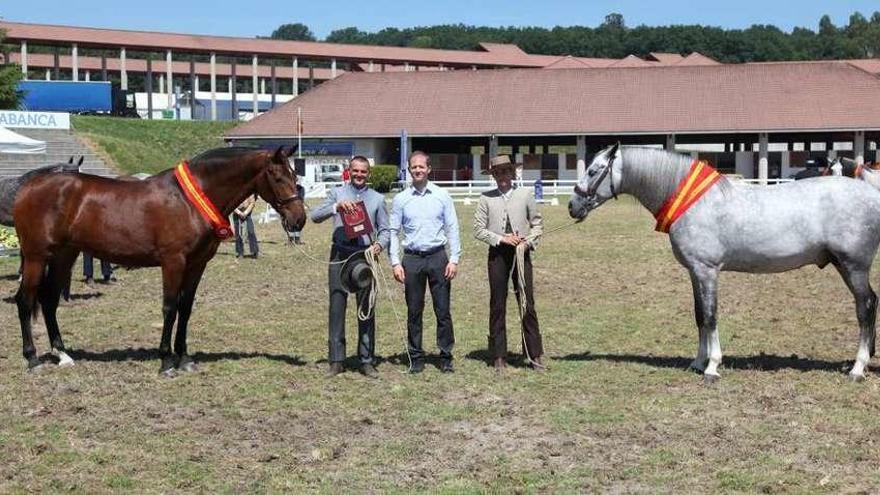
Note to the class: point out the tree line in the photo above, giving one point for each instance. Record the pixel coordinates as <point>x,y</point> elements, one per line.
<point>859,38</point>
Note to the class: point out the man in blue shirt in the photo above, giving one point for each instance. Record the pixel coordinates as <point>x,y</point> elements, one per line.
<point>426,216</point>
<point>343,200</point>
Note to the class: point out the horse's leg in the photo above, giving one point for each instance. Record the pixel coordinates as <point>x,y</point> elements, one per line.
<point>57,278</point>
<point>187,297</point>
<point>172,277</point>
<point>699,363</point>
<point>26,300</point>
<point>856,278</point>
<point>707,299</point>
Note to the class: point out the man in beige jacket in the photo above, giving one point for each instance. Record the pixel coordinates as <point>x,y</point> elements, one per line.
<point>505,218</point>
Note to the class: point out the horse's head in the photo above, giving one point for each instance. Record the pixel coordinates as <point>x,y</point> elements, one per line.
<point>277,186</point>
<point>599,184</point>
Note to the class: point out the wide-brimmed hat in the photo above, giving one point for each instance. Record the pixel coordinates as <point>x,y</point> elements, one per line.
<point>498,163</point>
<point>355,274</point>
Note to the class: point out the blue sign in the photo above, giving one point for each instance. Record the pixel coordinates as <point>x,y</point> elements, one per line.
<point>314,148</point>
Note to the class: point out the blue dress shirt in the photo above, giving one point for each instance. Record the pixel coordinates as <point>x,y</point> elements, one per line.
<point>427,219</point>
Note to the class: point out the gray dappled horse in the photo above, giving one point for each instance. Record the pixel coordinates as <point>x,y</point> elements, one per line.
<point>745,228</point>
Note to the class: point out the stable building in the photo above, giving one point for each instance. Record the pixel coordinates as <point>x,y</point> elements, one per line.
<point>758,120</point>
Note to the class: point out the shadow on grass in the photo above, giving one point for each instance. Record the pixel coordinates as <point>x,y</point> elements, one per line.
<point>142,354</point>
<point>73,297</point>
<point>400,359</point>
<point>11,276</point>
<point>761,362</point>
<point>513,360</point>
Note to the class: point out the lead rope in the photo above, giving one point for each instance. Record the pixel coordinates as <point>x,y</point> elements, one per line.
<point>521,287</point>
<point>375,266</point>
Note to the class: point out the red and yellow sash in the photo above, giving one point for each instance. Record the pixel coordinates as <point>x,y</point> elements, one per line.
<point>200,201</point>
<point>698,180</point>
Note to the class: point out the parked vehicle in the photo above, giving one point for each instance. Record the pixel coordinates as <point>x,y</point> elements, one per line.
<point>82,97</point>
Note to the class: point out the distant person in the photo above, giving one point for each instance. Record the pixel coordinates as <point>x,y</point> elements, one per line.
<point>89,270</point>
<point>346,175</point>
<point>294,234</point>
<point>504,219</point>
<point>426,216</point>
<point>342,200</point>
<point>243,214</point>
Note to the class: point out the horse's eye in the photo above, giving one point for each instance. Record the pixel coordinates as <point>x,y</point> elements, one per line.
<point>591,172</point>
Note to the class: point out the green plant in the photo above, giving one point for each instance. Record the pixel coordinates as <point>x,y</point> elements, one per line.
<point>383,177</point>
<point>8,237</point>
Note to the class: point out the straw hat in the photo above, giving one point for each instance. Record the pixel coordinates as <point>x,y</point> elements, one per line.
<point>499,162</point>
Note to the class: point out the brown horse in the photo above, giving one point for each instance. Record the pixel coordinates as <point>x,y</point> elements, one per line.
<point>138,223</point>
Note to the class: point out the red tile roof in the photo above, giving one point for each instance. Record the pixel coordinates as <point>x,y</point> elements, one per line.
<point>494,55</point>
<point>773,97</point>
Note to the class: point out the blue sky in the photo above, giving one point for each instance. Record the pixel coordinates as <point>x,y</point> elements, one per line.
<point>255,18</point>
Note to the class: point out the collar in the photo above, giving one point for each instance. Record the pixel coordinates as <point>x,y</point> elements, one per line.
<point>429,187</point>
<point>201,202</point>
<point>692,187</point>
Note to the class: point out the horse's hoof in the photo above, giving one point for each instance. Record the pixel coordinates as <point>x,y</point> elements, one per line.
<point>168,373</point>
<point>711,379</point>
<point>187,365</point>
<point>856,378</point>
<point>64,360</point>
<point>696,368</point>
<point>36,369</point>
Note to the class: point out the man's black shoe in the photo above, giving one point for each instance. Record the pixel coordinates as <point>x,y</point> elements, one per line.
<point>334,369</point>
<point>369,371</point>
<point>417,367</point>
<point>447,367</point>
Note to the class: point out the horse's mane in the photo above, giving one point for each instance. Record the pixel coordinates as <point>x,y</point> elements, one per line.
<point>224,153</point>
<point>653,174</point>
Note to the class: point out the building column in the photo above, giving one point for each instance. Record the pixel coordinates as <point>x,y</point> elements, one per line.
<point>493,146</point>
<point>194,87</point>
<point>88,75</point>
<point>859,147</point>
<point>370,66</point>
<point>123,75</point>
<point>161,83</point>
<point>48,75</point>
<point>763,160</point>
<point>24,60</point>
<point>104,68</point>
<point>254,83</point>
<point>581,151</point>
<point>149,81</point>
<point>233,90</point>
<point>295,76</point>
<point>74,62</point>
<point>274,83</point>
<point>169,76</point>
<point>213,86</point>
<point>332,68</point>
<point>670,142</point>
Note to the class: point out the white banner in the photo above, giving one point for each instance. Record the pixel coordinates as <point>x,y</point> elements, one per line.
<point>34,120</point>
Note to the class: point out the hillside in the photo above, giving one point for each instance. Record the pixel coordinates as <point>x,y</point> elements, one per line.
<point>134,145</point>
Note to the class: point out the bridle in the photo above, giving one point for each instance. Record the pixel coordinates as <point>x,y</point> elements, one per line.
<point>590,193</point>
<point>280,203</point>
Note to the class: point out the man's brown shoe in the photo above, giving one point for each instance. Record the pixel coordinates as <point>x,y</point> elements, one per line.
<point>538,365</point>
<point>500,365</point>
<point>334,369</point>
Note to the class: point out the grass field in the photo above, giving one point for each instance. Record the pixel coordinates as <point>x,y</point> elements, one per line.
<point>150,146</point>
<point>616,413</point>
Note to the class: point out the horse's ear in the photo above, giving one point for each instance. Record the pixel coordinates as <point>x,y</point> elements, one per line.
<point>292,150</point>
<point>80,162</point>
<point>70,160</point>
<point>280,156</point>
<point>613,151</point>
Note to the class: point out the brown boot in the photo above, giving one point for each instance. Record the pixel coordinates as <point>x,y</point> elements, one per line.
<point>500,365</point>
<point>538,364</point>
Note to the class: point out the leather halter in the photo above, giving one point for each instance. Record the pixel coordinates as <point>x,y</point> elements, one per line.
<point>279,203</point>
<point>590,193</point>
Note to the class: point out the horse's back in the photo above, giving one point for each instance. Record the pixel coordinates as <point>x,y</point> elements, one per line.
<point>785,226</point>
<point>113,219</point>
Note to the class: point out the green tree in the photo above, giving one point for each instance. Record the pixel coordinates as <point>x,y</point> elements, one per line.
<point>295,32</point>
<point>351,35</point>
<point>10,74</point>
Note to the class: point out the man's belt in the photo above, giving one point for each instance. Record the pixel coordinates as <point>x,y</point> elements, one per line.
<point>426,252</point>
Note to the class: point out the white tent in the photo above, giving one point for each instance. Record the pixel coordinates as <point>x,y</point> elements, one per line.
<point>11,142</point>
